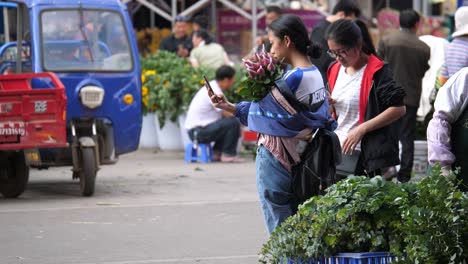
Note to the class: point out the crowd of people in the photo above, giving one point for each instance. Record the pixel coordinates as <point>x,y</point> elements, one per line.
<point>370,97</point>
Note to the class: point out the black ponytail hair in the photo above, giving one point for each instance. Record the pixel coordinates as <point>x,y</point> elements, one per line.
<point>292,26</point>
<point>205,35</point>
<point>367,44</point>
<point>348,33</point>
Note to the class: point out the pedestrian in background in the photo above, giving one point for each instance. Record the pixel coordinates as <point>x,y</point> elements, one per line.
<point>199,22</point>
<point>272,13</point>
<point>409,59</point>
<point>364,98</point>
<point>206,52</point>
<point>438,46</point>
<point>206,124</point>
<point>456,55</point>
<point>280,137</point>
<point>348,9</point>
<point>447,132</point>
<point>179,41</point>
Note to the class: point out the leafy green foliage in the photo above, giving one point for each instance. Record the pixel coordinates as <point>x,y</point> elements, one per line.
<point>233,95</point>
<point>424,220</point>
<point>170,83</point>
<point>436,221</point>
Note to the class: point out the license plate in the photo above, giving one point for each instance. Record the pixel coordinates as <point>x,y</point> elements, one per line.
<point>9,139</point>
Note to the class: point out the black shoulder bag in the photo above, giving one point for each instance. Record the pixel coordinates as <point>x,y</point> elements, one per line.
<point>317,168</point>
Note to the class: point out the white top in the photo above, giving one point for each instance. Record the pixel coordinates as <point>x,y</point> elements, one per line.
<point>438,46</point>
<point>451,101</point>
<point>346,93</point>
<point>210,55</point>
<point>201,112</point>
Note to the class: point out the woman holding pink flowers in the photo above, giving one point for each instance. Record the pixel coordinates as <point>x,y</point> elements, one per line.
<point>283,129</point>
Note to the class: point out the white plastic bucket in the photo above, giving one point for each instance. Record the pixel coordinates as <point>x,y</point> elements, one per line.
<point>148,136</point>
<point>183,132</point>
<point>169,137</point>
<point>420,162</point>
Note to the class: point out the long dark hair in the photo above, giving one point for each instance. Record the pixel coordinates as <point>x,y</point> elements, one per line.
<point>205,35</point>
<point>292,26</point>
<point>348,33</point>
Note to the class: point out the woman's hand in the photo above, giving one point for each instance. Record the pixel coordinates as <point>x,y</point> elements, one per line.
<point>331,104</point>
<point>354,137</point>
<point>220,101</point>
<point>331,101</point>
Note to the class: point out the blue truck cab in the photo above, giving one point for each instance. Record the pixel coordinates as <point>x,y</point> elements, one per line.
<point>91,46</point>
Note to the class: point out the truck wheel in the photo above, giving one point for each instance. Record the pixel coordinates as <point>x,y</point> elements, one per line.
<point>14,177</point>
<point>88,171</point>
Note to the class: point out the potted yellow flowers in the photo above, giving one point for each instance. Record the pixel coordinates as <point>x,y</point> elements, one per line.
<point>147,136</point>
<point>169,83</point>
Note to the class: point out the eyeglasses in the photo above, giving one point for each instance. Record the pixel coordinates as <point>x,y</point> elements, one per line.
<point>338,53</point>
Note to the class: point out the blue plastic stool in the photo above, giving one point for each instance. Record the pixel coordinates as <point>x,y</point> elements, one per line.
<point>192,153</point>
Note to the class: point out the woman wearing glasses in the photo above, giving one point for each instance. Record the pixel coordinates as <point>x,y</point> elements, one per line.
<point>365,99</point>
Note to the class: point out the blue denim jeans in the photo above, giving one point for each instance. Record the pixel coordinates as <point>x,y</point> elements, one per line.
<point>274,186</point>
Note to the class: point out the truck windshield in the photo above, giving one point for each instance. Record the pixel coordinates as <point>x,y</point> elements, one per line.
<point>84,40</point>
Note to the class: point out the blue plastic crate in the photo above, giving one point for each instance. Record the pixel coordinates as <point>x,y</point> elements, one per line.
<point>350,258</point>
<point>364,258</point>
<point>310,261</point>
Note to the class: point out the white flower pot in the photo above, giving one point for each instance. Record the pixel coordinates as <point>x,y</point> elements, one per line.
<point>420,162</point>
<point>148,136</point>
<point>183,131</point>
<point>169,137</point>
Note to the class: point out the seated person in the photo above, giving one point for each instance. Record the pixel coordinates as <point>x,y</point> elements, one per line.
<point>206,124</point>
<point>85,55</point>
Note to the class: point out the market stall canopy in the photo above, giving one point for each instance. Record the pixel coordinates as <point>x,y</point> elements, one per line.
<point>253,16</point>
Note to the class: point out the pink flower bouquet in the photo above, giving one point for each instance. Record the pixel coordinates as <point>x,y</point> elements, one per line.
<point>262,72</point>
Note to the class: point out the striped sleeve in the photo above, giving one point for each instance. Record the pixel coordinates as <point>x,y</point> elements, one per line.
<point>293,78</point>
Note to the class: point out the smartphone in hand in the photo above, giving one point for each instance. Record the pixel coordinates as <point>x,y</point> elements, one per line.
<point>210,90</point>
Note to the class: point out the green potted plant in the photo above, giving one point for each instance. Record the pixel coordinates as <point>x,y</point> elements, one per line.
<point>419,222</point>
<point>148,127</point>
<point>169,84</point>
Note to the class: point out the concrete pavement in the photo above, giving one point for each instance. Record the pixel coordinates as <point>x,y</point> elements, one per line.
<point>148,208</point>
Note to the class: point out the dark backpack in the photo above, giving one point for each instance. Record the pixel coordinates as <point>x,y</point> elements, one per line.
<point>317,169</point>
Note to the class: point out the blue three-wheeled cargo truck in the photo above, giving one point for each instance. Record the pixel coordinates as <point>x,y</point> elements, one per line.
<point>90,46</point>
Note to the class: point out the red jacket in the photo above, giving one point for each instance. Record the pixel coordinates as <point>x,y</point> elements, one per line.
<point>378,92</point>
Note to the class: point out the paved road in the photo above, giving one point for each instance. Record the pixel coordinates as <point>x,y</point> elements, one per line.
<point>148,208</point>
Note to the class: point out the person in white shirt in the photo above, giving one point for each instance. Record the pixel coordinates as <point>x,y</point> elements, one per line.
<point>207,124</point>
<point>447,132</point>
<point>438,46</point>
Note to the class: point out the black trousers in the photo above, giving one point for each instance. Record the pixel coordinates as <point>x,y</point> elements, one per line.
<point>407,136</point>
<point>224,132</point>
